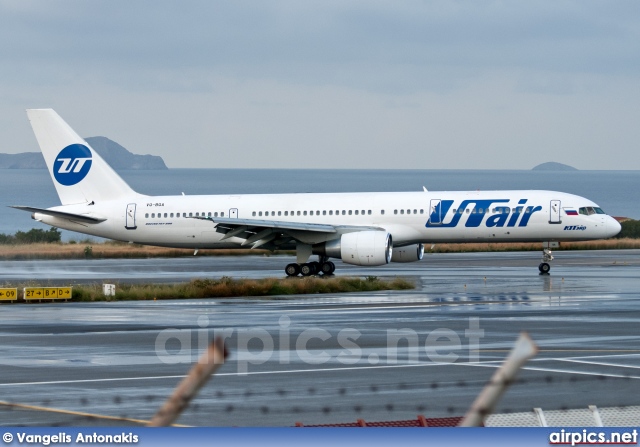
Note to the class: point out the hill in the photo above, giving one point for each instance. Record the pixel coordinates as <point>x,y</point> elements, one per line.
<point>553,166</point>
<point>116,155</point>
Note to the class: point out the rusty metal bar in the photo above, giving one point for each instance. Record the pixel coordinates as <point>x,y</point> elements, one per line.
<point>208,363</point>
<point>484,404</point>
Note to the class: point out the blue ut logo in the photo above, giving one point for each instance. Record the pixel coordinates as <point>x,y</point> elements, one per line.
<point>72,164</point>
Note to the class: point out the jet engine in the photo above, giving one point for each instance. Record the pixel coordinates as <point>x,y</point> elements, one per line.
<point>359,248</point>
<point>410,253</point>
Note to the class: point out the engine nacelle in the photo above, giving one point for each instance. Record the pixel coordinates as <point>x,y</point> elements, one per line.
<point>359,248</point>
<point>410,253</point>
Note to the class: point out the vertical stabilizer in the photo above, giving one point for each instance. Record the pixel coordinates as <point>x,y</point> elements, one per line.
<point>79,174</point>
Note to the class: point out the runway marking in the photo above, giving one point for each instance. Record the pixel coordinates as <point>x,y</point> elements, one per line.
<point>615,365</point>
<point>563,371</point>
<point>565,350</point>
<point>254,373</point>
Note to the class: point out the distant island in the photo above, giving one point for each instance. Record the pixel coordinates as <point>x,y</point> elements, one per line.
<point>553,166</point>
<point>117,156</point>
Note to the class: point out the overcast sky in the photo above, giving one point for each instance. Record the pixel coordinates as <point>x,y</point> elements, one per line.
<point>332,84</point>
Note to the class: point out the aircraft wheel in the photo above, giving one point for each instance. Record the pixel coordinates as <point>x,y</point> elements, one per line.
<point>307,269</point>
<point>292,270</point>
<point>544,268</point>
<point>328,268</point>
<point>317,267</point>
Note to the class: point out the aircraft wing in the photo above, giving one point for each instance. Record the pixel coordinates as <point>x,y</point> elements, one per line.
<point>61,214</point>
<point>272,233</point>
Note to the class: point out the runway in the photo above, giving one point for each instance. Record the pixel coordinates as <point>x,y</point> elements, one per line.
<point>329,358</point>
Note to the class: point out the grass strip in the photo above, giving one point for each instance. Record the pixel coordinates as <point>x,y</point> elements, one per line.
<point>226,287</point>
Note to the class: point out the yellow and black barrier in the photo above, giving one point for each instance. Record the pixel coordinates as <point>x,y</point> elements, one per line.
<point>7,294</point>
<point>46,293</point>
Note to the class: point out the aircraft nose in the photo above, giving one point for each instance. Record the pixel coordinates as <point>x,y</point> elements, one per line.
<point>613,226</point>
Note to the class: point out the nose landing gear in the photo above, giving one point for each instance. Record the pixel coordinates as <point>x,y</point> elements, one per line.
<point>547,257</point>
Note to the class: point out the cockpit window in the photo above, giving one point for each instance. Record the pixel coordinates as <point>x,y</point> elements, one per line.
<point>589,210</point>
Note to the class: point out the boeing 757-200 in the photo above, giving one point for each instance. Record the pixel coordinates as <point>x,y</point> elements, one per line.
<point>366,229</point>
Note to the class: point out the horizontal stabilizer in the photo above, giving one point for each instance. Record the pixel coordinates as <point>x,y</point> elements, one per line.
<point>61,214</point>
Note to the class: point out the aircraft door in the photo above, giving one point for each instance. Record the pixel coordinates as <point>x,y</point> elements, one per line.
<point>233,213</point>
<point>435,212</point>
<point>554,212</point>
<point>130,218</point>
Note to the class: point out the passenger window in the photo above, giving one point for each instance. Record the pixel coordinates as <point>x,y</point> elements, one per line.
<point>401,211</point>
<point>184,214</point>
<point>222,214</point>
<point>344,212</point>
<point>153,215</point>
<point>357,212</point>
<point>165,214</point>
<point>304,213</point>
<point>422,211</point>
<point>253,214</point>
<point>415,211</point>
<point>171,215</point>
<point>369,212</point>
<point>197,214</point>
<point>298,213</point>
<point>146,215</point>
<point>324,212</point>
<point>279,213</point>
<point>395,211</point>
<point>382,212</point>
<point>330,212</point>
<point>286,213</point>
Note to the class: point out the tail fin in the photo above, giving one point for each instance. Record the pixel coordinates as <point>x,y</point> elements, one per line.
<point>79,174</point>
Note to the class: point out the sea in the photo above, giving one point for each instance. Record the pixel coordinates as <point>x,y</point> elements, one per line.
<point>616,192</point>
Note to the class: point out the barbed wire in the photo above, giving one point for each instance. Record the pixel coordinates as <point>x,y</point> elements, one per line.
<point>343,391</point>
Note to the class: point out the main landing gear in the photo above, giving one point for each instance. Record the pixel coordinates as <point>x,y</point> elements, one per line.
<point>310,268</point>
<point>547,257</point>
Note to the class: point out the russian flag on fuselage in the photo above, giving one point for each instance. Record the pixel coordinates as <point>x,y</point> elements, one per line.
<point>570,212</point>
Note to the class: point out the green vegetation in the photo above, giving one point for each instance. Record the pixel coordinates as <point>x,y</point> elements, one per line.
<point>227,287</point>
<point>630,229</point>
<point>33,236</point>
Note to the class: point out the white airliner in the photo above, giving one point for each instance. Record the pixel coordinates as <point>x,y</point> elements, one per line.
<point>366,229</point>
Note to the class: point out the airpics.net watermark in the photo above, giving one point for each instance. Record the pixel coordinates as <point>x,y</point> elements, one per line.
<point>315,346</point>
